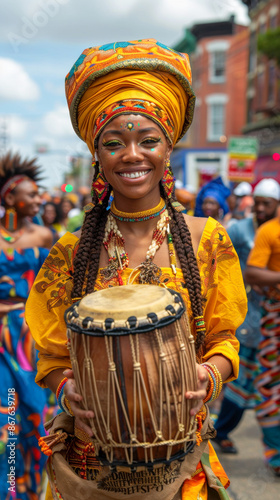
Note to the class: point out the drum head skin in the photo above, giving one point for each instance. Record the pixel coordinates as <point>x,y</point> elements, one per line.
<point>125,309</point>
<point>124,301</point>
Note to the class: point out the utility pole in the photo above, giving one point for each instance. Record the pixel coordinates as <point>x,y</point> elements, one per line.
<point>3,135</point>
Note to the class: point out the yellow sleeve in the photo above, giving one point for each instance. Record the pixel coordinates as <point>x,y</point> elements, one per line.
<point>48,300</point>
<point>223,294</point>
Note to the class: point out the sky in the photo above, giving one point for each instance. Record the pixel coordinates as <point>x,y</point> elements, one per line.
<point>41,39</point>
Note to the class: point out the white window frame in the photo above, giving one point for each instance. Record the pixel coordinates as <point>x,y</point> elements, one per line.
<point>217,46</point>
<point>212,100</point>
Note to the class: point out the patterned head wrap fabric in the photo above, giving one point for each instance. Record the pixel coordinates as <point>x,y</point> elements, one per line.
<point>138,77</point>
<point>213,189</point>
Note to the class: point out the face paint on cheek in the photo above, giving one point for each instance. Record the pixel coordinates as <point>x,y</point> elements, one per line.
<point>112,153</point>
<point>21,204</point>
<point>152,149</point>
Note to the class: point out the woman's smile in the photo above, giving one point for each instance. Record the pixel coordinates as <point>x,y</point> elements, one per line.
<point>134,174</point>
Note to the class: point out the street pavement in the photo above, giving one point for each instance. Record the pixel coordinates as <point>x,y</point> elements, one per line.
<point>249,477</point>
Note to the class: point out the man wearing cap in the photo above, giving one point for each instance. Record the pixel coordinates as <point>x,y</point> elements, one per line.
<point>241,394</point>
<point>263,270</point>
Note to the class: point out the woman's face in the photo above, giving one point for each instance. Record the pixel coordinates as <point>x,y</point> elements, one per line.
<point>49,214</point>
<point>133,151</point>
<point>210,207</point>
<point>26,199</point>
<point>66,206</point>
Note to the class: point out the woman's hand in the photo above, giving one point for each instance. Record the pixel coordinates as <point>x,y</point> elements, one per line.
<point>200,394</point>
<point>75,399</point>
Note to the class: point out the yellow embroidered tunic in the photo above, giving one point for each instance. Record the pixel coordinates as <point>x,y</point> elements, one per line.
<point>225,307</point>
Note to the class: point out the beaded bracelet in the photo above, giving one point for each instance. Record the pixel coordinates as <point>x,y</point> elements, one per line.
<point>65,405</point>
<point>215,382</point>
<point>60,392</point>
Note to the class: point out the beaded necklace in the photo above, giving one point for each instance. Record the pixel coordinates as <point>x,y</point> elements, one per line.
<point>138,216</point>
<point>8,237</point>
<point>118,258</point>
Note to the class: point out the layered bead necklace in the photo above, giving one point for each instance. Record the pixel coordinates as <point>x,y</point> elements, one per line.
<point>9,237</point>
<point>115,245</point>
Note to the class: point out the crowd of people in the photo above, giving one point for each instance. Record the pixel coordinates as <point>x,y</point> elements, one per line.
<point>135,221</point>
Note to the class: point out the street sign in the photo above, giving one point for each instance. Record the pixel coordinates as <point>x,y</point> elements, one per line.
<point>242,152</point>
<point>243,145</point>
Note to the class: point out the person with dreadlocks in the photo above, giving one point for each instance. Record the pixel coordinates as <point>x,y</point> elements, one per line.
<point>23,249</point>
<point>131,102</point>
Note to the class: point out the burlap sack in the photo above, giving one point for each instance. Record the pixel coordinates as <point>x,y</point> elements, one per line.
<point>162,483</point>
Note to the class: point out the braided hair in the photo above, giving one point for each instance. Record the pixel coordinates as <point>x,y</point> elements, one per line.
<point>86,262</point>
<point>12,164</point>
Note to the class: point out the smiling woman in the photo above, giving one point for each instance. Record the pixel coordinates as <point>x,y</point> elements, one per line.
<point>131,102</point>
<point>20,260</point>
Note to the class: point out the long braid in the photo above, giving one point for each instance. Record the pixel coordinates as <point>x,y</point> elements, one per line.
<point>184,248</point>
<point>88,253</point>
<point>96,249</point>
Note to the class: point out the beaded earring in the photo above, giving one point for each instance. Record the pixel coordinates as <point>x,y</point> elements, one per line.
<point>100,186</point>
<point>11,219</point>
<point>168,180</point>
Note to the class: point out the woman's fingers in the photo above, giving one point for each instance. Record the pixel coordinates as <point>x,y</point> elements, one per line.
<point>196,408</point>
<point>75,400</point>
<point>82,425</point>
<point>200,394</point>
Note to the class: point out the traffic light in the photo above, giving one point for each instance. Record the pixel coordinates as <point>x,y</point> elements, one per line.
<point>66,188</point>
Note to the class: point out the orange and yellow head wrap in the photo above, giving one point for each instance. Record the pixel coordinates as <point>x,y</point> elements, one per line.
<point>139,77</point>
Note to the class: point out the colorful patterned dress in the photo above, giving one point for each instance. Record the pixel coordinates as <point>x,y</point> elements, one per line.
<point>240,394</point>
<point>266,255</point>
<point>22,401</point>
<point>224,310</point>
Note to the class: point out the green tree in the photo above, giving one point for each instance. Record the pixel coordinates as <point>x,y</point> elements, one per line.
<point>269,44</point>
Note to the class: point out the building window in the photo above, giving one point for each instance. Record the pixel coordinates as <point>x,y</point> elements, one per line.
<point>250,110</point>
<point>252,52</point>
<point>217,67</point>
<point>273,22</point>
<point>271,82</point>
<point>260,88</point>
<point>216,121</point>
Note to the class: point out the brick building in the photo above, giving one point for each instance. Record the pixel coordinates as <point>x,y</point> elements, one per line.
<point>219,65</point>
<point>263,90</point>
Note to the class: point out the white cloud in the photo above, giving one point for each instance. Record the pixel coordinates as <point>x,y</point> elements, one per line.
<point>15,83</point>
<point>13,126</point>
<point>92,22</point>
<point>57,122</point>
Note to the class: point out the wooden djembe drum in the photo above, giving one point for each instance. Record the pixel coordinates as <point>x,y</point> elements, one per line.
<point>133,358</point>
